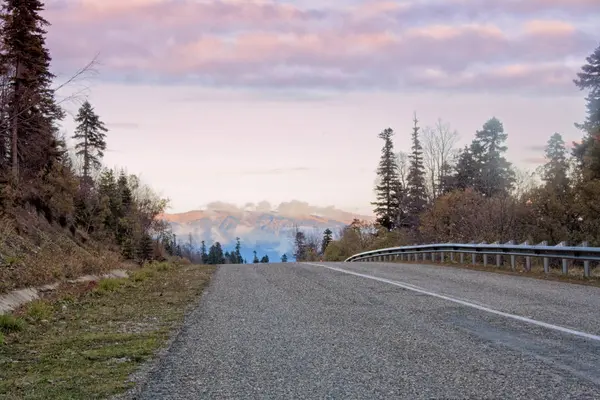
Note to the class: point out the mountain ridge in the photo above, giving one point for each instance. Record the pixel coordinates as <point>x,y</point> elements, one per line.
<point>268,231</point>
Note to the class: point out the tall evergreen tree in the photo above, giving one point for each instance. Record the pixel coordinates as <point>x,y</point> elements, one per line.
<point>265,259</point>
<point>284,258</point>
<point>416,191</point>
<point>387,206</point>
<point>255,260</point>
<point>203,252</point>
<point>32,109</point>
<point>90,135</point>
<point>588,152</point>
<point>495,174</point>
<point>467,169</point>
<point>327,238</point>
<point>215,254</point>
<point>300,247</point>
<point>237,254</point>
<point>555,171</point>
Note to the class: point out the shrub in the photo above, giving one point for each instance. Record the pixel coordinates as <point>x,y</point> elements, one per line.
<point>39,310</point>
<point>10,323</point>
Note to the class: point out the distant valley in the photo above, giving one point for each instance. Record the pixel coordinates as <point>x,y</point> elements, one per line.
<point>266,229</point>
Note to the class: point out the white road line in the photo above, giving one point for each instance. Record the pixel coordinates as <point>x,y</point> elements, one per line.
<point>465,303</point>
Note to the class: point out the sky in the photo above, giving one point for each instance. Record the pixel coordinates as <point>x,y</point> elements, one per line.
<point>248,100</point>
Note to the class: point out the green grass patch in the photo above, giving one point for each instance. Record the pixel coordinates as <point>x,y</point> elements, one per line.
<point>108,285</point>
<point>93,343</point>
<point>10,324</point>
<point>39,310</point>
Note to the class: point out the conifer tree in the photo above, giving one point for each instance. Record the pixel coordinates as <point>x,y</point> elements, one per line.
<point>327,238</point>
<point>495,175</point>
<point>32,110</point>
<point>467,169</point>
<point>284,258</point>
<point>237,254</point>
<point>90,135</point>
<point>265,259</point>
<point>203,252</point>
<point>255,260</point>
<point>555,171</point>
<point>588,152</point>
<point>215,254</point>
<point>387,206</point>
<point>416,191</point>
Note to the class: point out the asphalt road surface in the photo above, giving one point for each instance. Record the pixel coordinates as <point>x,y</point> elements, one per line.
<point>383,331</point>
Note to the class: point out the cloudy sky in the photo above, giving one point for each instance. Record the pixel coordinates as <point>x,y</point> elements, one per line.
<point>248,100</point>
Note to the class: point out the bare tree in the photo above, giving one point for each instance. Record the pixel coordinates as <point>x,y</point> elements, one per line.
<point>403,164</point>
<point>438,150</point>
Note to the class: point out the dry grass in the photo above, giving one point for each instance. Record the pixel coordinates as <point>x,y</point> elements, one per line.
<point>33,253</point>
<point>84,340</point>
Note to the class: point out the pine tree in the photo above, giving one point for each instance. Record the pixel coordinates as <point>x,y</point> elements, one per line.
<point>90,135</point>
<point>467,169</point>
<point>145,252</point>
<point>588,152</point>
<point>327,238</point>
<point>265,259</point>
<point>556,168</point>
<point>215,254</point>
<point>387,206</point>
<point>203,253</point>
<point>416,194</point>
<point>300,246</point>
<point>284,258</point>
<point>237,255</point>
<point>32,110</point>
<point>255,260</point>
<point>495,175</point>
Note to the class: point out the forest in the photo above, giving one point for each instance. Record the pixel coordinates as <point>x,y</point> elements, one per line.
<point>436,193</point>
<point>61,212</point>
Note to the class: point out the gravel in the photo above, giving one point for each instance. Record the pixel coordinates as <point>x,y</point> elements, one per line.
<point>274,331</point>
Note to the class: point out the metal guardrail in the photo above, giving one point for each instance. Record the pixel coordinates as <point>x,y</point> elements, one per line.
<point>561,251</point>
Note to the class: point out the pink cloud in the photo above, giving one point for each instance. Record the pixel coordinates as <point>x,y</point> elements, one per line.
<point>266,43</point>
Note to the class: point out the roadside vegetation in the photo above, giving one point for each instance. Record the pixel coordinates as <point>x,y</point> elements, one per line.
<point>438,193</point>
<point>84,340</point>
<point>62,214</point>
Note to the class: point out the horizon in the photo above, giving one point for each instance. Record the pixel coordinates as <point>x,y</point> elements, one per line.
<point>264,100</point>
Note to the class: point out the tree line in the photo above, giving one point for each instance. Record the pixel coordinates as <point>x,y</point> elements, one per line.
<point>438,193</point>
<point>39,172</point>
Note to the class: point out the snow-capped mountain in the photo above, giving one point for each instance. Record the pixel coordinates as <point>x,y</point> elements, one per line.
<point>259,227</point>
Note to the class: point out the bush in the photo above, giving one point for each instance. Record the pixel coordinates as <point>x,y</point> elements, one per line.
<point>10,323</point>
<point>108,285</point>
<point>38,310</point>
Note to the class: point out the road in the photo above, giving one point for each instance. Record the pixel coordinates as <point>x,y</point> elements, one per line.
<point>279,331</point>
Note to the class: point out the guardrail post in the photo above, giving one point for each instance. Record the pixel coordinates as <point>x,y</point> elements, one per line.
<point>424,256</point>
<point>484,255</point>
<point>498,257</point>
<point>473,255</point>
<point>546,259</point>
<point>442,258</point>
<point>452,257</point>
<point>586,263</point>
<point>527,258</point>
<point>565,261</point>
<point>512,257</point>
<point>462,258</point>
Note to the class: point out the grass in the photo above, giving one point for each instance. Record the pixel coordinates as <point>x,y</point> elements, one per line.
<point>10,324</point>
<point>84,340</point>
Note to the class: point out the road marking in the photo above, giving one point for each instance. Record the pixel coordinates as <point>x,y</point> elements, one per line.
<point>465,303</point>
